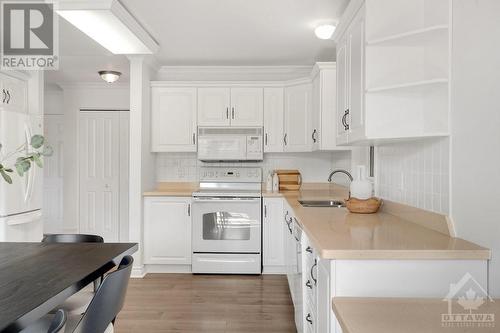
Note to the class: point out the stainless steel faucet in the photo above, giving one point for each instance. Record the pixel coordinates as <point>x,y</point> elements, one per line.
<point>340,171</point>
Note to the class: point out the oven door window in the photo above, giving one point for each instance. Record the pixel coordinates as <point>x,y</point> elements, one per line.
<point>227,226</point>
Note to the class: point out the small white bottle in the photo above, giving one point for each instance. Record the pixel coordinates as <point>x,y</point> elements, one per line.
<point>276,183</point>
<point>269,182</point>
<point>361,188</point>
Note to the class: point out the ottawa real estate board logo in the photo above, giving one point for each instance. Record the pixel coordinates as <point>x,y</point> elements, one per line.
<point>29,36</point>
<point>468,305</point>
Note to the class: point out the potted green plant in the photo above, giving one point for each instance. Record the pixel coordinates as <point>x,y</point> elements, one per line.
<point>24,157</point>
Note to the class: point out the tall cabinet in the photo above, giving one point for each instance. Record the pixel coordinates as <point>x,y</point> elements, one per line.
<point>393,70</point>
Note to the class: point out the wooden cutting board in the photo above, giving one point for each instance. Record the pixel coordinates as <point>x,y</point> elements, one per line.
<point>290,180</point>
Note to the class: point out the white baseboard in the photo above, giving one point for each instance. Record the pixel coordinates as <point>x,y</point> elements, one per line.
<point>168,269</point>
<point>138,272</point>
<point>273,270</point>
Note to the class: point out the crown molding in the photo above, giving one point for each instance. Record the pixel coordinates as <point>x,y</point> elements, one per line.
<point>92,85</point>
<point>232,73</point>
<point>347,17</point>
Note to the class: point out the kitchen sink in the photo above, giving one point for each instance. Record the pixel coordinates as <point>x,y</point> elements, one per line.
<point>322,203</point>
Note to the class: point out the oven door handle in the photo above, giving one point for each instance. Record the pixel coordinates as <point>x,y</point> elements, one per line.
<point>218,199</point>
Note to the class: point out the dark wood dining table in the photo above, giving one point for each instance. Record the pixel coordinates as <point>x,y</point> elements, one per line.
<point>36,277</point>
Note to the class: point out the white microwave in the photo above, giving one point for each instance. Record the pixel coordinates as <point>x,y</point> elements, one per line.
<point>230,144</point>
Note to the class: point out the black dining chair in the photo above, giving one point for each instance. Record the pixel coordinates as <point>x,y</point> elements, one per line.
<point>77,303</point>
<point>102,311</point>
<point>59,322</point>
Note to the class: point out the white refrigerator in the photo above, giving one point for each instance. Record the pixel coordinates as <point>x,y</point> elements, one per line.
<point>21,201</point>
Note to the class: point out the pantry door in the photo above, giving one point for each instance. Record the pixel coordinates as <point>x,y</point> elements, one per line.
<point>99,172</point>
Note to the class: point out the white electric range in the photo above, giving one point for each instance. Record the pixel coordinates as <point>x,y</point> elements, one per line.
<point>227,221</point>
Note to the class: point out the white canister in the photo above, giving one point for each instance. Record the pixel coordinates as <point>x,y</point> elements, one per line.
<point>361,188</point>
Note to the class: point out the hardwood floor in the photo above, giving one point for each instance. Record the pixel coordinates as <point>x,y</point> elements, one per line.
<point>207,303</point>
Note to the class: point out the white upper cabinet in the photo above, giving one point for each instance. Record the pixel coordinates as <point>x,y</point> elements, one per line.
<point>342,98</point>
<point>173,119</point>
<point>324,108</point>
<point>247,107</point>
<point>273,120</point>
<point>13,94</point>
<point>298,104</point>
<point>393,70</point>
<point>214,106</point>
<point>167,230</point>
<point>230,107</point>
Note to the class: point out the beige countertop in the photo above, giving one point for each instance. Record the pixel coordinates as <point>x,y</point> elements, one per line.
<point>337,234</point>
<point>410,315</point>
<point>171,189</point>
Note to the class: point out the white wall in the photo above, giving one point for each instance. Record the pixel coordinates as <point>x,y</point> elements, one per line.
<point>475,123</point>
<point>78,97</point>
<point>415,173</point>
<point>314,167</point>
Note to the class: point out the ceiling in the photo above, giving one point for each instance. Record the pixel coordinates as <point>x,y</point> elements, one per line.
<point>238,32</point>
<point>209,32</point>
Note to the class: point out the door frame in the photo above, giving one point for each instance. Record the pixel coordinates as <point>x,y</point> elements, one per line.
<point>124,129</point>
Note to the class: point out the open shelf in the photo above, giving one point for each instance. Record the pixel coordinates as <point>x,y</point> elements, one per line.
<point>408,85</point>
<point>414,34</point>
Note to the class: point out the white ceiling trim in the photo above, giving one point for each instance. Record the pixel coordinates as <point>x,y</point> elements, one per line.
<point>232,73</point>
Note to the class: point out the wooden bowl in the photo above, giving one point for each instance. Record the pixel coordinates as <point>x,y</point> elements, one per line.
<point>368,206</point>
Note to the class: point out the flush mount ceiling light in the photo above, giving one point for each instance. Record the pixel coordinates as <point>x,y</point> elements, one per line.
<point>324,31</point>
<point>109,24</point>
<point>109,76</point>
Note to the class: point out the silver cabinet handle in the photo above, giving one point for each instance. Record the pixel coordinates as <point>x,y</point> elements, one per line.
<point>265,210</point>
<point>232,112</point>
<point>194,138</point>
<point>189,210</point>
<point>227,112</point>
<point>265,139</point>
<point>313,135</point>
<point>284,139</point>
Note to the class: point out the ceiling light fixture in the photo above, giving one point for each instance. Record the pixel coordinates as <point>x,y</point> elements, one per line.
<point>109,24</point>
<point>109,76</point>
<point>324,31</point>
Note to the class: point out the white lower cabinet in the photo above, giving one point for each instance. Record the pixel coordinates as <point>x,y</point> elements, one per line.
<point>273,255</point>
<point>167,230</point>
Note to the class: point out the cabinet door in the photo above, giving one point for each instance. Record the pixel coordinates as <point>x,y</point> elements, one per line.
<point>213,106</point>
<point>167,230</point>
<point>342,70</point>
<point>173,119</point>
<point>316,112</point>
<point>297,136</point>
<point>273,253</point>
<point>247,107</point>
<point>356,72</point>
<point>273,120</point>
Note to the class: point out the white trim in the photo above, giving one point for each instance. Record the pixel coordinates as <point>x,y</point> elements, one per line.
<point>232,73</point>
<point>93,85</point>
<point>168,269</point>
<point>274,269</point>
<point>346,18</point>
<point>138,272</point>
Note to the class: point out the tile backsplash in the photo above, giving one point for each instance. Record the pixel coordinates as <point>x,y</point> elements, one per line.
<point>314,167</point>
<point>415,173</point>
